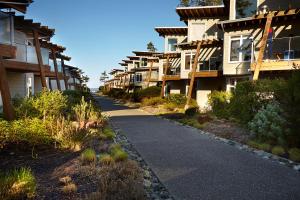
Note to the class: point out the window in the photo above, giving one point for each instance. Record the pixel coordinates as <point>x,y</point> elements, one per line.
<point>189,60</point>
<point>138,77</point>
<point>136,65</point>
<point>240,49</point>
<point>171,44</point>
<point>144,62</point>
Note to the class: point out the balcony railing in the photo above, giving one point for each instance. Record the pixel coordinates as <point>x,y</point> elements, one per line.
<point>196,3</point>
<point>213,64</point>
<point>280,49</point>
<point>27,54</point>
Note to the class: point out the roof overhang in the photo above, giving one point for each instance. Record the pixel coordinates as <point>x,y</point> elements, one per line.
<point>123,64</point>
<point>51,46</point>
<point>258,20</point>
<point>145,53</point>
<point>170,55</point>
<point>127,61</point>
<point>186,13</point>
<point>178,31</point>
<point>133,57</point>
<point>19,5</point>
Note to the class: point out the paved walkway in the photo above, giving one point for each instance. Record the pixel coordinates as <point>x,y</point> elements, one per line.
<point>194,166</point>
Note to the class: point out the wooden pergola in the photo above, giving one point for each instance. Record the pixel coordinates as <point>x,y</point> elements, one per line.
<point>19,5</point>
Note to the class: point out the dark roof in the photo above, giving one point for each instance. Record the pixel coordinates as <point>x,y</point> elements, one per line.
<point>145,53</point>
<point>123,64</point>
<point>49,45</point>
<point>19,5</point>
<point>186,13</point>
<point>163,31</point>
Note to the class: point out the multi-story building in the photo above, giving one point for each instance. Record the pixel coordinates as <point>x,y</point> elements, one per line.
<point>28,60</point>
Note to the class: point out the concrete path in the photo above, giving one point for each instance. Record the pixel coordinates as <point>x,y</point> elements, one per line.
<point>194,166</point>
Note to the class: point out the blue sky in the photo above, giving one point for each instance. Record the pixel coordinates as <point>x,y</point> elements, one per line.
<point>98,34</point>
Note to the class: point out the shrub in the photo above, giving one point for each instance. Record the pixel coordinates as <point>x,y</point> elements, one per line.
<point>17,184</point>
<point>116,93</point>
<point>88,156</point>
<point>294,154</point>
<point>278,150</point>
<point>268,124</point>
<point>219,102</point>
<point>191,111</point>
<point>154,101</point>
<point>177,99</point>
<point>69,188</point>
<point>106,159</point>
<point>149,92</point>
<point>120,181</point>
<point>254,144</point>
<point>117,153</point>
<point>264,147</point>
<point>4,133</point>
<point>249,97</point>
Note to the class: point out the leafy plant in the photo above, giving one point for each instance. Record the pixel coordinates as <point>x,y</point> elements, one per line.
<point>108,133</point>
<point>17,184</point>
<point>177,99</point>
<point>278,150</point>
<point>118,153</point>
<point>219,102</point>
<point>154,101</point>
<point>294,154</point>
<point>106,159</point>
<point>268,124</point>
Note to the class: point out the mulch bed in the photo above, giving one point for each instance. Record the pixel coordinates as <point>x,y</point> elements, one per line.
<point>51,165</point>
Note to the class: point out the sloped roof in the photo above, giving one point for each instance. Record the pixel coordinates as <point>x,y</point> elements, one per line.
<point>163,31</point>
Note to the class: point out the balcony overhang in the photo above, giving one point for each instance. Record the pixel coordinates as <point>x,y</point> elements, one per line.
<point>8,51</point>
<point>145,53</point>
<point>278,65</point>
<point>207,74</point>
<point>172,77</point>
<point>18,66</point>
<point>204,43</point>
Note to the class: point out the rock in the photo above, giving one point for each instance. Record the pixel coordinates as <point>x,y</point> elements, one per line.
<point>147,174</point>
<point>297,167</point>
<point>147,183</point>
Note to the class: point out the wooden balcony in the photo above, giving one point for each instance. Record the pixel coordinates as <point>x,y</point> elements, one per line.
<point>18,66</point>
<point>8,51</point>
<point>172,77</point>
<point>273,65</point>
<point>207,74</point>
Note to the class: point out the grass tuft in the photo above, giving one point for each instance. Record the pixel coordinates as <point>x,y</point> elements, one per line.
<point>88,156</point>
<point>278,150</point>
<point>17,184</point>
<point>69,188</point>
<point>294,154</point>
<point>106,159</point>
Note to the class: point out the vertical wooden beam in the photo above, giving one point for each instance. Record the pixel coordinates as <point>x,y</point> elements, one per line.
<point>262,48</point>
<point>192,81</point>
<point>165,69</point>
<point>50,84</point>
<point>64,72</point>
<point>150,73</point>
<point>56,69</point>
<point>39,58</point>
<point>5,93</point>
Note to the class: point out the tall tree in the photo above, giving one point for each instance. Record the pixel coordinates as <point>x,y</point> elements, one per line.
<point>103,76</point>
<point>151,47</point>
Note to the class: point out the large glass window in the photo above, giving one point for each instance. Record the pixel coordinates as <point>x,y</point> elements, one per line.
<point>5,29</point>
<point>171,44</point>
<point>144,62</point>
<point>136,64</point>
<point>138,77</point>
<point>240,49</point>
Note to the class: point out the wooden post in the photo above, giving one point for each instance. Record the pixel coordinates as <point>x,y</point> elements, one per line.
<point>190,91</point>
<point>150,73</point>
<point>64,72</point>
<point>262,48</point>
<point>165,69</point>
<point>39,58</point>
<point>5,93</point>
<point>50,84</point>
<point>56,69</point>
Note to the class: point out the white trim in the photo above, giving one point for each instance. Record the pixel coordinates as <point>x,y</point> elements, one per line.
<point>241,38</point>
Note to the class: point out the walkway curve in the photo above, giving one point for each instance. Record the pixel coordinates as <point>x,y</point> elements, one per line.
<point>194,166</point>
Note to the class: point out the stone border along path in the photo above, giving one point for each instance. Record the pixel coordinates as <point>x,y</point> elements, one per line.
<point>196,166</point>
<point>155,190</point>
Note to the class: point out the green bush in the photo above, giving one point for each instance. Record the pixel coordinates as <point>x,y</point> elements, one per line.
<point>116,93</point>
<point>17,184</point>
<point>249,97</point>
<point>118,153</point>
<point>88,156</point>
<point>177,99</point>
<point>149,92</point>
<point>170,106</point>
<point>219,102</point>
<point>278,150</point>
<point>264,147</point>
<point>254,144</point>
<point>108,133</point>
<point>154,101</point>
<point>268,124</point>
<point>294,154</point>
<point>191,111</point>
<point>106,159</point>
